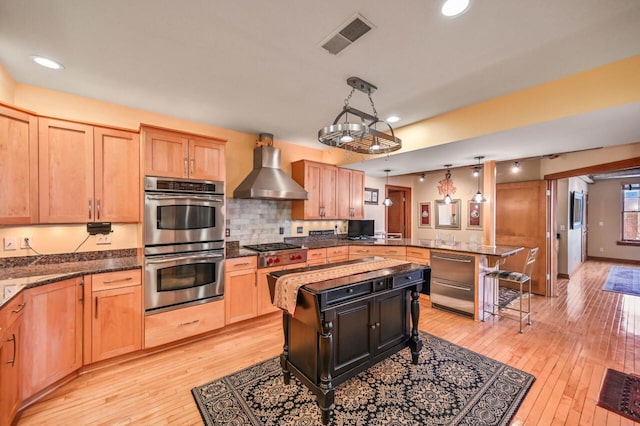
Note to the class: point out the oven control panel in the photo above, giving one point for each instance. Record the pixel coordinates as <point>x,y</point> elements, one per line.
<point>266,260</point>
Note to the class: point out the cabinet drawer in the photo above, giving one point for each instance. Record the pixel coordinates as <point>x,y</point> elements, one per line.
<point>12,311</point>
<point>316,254</point>
<point>409,277</point>
<point>118,279</point>
<point>394,252</point>
<point>178,324</point>
<point>418,253</point>
<point>239,263</point>
<point>361,251</point>
<point>379,285</point>
<point>338,251</point>
<point>336,259</point>
<point>343,294</point>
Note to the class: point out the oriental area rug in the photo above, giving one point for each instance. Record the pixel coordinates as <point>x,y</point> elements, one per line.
<point>450,386</point>
<point>623,279</point>
<point>620,393</point>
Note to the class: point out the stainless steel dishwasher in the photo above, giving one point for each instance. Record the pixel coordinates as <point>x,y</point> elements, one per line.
<point>452,282</point>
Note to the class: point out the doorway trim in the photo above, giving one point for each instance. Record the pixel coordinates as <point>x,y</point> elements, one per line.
<point>408,205</point>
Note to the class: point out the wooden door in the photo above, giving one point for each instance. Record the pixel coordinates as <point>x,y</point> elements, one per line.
<point>206,159</point>
<point>66,172</point>
<point>166,153</point>
<point>52,337</point>
<point>521,220</point>
<point>307,174</point>
<point>117,175</point>
<point>398,216</point>
<point>585,229</point>
<point>18,167</point>
<point>343,194</point>
<point>116,326</point>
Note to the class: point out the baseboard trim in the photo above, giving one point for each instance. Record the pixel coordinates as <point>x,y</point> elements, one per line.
<point>609,259</point>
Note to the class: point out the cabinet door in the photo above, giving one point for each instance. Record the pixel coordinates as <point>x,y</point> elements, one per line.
<point>52,337</point>
<point>116,322</point>
<point>350,194</point>
<point>240,295</point>
<point>166,153</point>
<point>65,172</point>
<point>11,355</point>
<point>18,167</point>
<point>352,335</point>
<point>328,189</point>
<point>264,296</point>
<point>206,159</point>
<point>117,175</point>
<point>309,176</point>
<point>391,324</point>
<point>357,194</point>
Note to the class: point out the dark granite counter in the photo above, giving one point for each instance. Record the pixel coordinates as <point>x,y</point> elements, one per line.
<point>14,279</point>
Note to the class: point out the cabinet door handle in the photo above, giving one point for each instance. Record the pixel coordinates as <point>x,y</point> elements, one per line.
<point>193,165</point>
<point>96,306</point>
<point>186,167</point>
<point>90,207</point>
<point>98,208</point>
<point>117,280</point>
<point>12,361</point>
<point>374,325</point>
<point>189,323</point>
<point>20,307</point>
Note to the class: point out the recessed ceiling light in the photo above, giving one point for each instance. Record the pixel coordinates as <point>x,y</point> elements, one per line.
<point>452,8</point>
<point>47,63</point>
<point>393,119</point>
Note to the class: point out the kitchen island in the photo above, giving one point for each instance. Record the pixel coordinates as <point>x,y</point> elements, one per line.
<point>344,325</point>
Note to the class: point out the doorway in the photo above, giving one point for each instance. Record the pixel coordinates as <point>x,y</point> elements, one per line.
<point>398,215</point>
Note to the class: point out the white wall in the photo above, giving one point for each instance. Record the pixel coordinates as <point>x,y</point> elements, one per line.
<point>604,216</point>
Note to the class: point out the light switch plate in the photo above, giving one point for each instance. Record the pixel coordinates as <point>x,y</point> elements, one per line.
<point>10,243</point>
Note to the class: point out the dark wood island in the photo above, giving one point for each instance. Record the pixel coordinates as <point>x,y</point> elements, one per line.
<point>344,325</point>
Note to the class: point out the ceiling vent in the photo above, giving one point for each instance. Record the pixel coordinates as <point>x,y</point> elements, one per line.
<point>349,32</point>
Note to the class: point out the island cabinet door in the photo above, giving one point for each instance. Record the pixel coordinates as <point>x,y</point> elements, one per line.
<point>352,335</point>
<point>391,325</point>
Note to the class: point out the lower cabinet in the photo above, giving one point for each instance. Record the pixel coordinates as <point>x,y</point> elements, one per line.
<point>240,290</point>
<point>113,318</point>
<point>316,256</point>
<point>171,326</point>
<point>52,334</point>
<point>264,296</point>
<point>337,254</point>
<point>11,356</point>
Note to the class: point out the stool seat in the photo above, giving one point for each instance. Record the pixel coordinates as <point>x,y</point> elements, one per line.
<point>520,278</point>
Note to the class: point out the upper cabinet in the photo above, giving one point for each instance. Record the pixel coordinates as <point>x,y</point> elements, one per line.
<point>18,167</point>
<point>181,155</point>
<point>334,192</point>
<point>87,174</point>
<point>320,181</point>
<point>350,194</point>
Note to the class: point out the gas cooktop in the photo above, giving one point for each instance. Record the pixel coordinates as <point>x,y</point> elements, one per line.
<point>272,247</point>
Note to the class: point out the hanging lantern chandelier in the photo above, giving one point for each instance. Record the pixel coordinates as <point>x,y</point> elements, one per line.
<point>360,135</point>
<point>447,198</point>
<point>478,198</point>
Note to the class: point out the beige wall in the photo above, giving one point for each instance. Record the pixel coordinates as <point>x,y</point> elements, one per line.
<point>7,86</point>
<point>604,220</point>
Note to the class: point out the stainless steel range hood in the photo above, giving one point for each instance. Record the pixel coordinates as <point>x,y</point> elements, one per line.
<point>266,181</point>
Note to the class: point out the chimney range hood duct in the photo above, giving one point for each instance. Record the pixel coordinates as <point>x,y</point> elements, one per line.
<point>266,181</point>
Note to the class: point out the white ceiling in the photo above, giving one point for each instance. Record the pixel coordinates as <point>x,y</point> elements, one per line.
<point>257,66</point>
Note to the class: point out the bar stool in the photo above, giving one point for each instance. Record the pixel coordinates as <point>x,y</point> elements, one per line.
<point>522,279</point>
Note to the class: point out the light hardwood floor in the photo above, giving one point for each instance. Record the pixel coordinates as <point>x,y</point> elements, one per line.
<point>574,338</point>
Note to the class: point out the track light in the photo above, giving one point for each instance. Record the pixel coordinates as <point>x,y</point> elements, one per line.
<point>478,197</point>
<point>421,178</point>
<point>387,201</point>
<point>515,168</point>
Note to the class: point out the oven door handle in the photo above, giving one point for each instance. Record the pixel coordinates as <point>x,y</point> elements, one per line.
<point>165,259</point>
<point>185,197</point>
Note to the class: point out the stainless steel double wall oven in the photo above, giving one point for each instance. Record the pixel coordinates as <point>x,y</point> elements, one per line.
<point>184,224</point>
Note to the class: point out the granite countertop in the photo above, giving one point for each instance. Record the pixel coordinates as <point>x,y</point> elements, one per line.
<point>14,279</point>
<point>465,247</point>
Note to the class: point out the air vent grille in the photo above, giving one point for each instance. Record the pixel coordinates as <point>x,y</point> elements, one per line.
<point>351,31</point>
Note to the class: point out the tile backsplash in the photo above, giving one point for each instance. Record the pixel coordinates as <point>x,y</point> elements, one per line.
<point>259,221</point>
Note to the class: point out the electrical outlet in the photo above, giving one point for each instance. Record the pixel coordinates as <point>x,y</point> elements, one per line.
<point>227,232</point>
<point>103,239</point>
<point>281,230</point>
<point>601,249</point>
<point>10,243</point>
<point>25,242</point>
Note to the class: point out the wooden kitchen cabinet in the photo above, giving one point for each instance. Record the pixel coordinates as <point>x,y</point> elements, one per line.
<point>18,167</point>
<point>337,254</point>
<point>181,155</point>
<point>113,317</point>
<point>316,256</point>
<point>418,255</point>
<point>52,336</point>
<point>391,252</point>
<point>264,297</point>
<point>87,173</point>
<point>11,358</point>
<point>240,289</point>
<point>320,181</point>
<point>350,194</point>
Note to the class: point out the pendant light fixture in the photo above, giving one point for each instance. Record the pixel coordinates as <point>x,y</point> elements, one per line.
<point>478,198</point>
<point>387,201</point>
<point>361,136</point>
<point>447,198</point>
